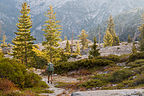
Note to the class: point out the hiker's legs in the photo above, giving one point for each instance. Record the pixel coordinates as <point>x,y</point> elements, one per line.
<point>48,76</point>
<point>51,77</point>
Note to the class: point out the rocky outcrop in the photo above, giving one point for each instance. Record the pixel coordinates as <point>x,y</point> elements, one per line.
<point>124,92</point>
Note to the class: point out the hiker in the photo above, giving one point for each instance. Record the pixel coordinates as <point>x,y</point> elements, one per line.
<point>50,70</point>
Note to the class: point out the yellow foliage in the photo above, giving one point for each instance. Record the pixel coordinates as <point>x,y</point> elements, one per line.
<point>38,52</point>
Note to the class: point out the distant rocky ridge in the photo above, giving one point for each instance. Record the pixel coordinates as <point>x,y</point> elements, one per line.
<point>74,15</point>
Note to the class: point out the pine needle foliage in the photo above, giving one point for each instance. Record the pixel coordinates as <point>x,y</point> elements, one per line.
<point>129,39</point>
<point>108,39</point>
<point>52,35</point>
<point>94,52</point>
<point>83,38</point>
<point>78,48</point>
<point>141,29</point>
<point>23,42</point>
<point>68,49</point>
<point>111,28</point>
<point>4,43</point>
<point>134,50</point>
<point>65,38</point>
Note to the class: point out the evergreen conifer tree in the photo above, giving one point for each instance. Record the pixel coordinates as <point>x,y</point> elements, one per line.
<point>4,44</point>
<point>111,28</point>
<point>23,42</point>
<point>83,38</point>
<point>134,50</point>
<point>65,37</point>
<point>94,52</point>
<point>52,35</point>
<point>141,29</point>
<point>108,39</point>
<point>68,49</point>
<point>129,39</point>
<point>78,48</point>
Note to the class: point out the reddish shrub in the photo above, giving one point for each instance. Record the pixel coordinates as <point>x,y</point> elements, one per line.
<point>6,85</point>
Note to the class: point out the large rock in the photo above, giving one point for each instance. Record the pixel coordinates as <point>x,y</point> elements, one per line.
<point>124,92</point>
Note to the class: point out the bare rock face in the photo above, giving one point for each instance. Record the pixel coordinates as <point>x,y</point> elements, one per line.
<point>123,92</point>
<point>6,50</point>
<point>123,48</point>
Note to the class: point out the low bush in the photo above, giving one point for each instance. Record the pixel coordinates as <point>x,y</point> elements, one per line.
<point>13,71</point>
<point>136,56</point>
<point>6,85</point>
<point>111,57</point>
<point>139,70</point>
<point>92,83</point>
<point>102,77</point>
<point>125,84</point>
<point>124,58</point>
<point>17,73</point>
<point>31,79</point>
<point>139,80</point>
<point>120,75</point>
<point>64,67</point>
<point>45,91</point>
<point>136,63</point>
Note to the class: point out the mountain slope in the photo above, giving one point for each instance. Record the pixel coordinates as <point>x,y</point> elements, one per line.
<point>74,15</point>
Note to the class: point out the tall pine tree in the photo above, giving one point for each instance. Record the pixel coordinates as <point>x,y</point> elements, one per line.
<point>23,42</point>
<point>94,52</point>
<point>129,39</point>
<point>4,44</point>
<point>68,49</point>
<point>111,29</point>
<point>65,38</point>
<point>52,36</point>
<point>134,50</point>
<point>141,29</point>
<point>83,38</point>
<point>78,48</point>
<point>108,39</point>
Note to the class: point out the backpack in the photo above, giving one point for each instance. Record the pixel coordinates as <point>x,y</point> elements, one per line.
<point>50,67</point>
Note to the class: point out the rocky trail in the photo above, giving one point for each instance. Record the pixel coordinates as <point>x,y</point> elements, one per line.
<point>56,78</point>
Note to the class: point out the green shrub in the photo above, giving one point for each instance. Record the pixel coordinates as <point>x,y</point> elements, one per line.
<point>140,61</point>
<point>42,84</point>
<point>136,56</point>
<point>102,77</point>
<point>92,83</point>
<point>120,75</point>
<point>31,79</point>
<point>136,63</point>
<point>139,70</point>
<point>125,84</point>
<point>13,71</point>
<point>111,57</point>
<point>64,67</point>
<point>17,73</point>
<point>38,62</point>
<point>139,80</point>
<point>124,58</point>
<point>45,91</point>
